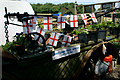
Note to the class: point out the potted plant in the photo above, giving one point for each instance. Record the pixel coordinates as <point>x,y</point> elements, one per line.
<point>102,30</point>
<point>82,34</point>
<point>93,32</point>
<point>113,28</point>
<point>116,29</point>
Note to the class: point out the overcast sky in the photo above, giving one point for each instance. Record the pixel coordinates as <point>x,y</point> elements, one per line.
<point>63,1</point>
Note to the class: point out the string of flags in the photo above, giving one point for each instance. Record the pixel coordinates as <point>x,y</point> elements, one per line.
<point>29,26</point>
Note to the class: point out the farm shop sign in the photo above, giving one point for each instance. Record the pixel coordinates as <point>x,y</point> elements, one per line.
<point>65,52</point>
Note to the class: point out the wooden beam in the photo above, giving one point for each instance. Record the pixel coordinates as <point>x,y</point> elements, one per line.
<point>102,3</point>
<point>83,9</point>
<point>113,5</point>
<point>75,6</point>
<point>101,8</point>
<point>93,8</point>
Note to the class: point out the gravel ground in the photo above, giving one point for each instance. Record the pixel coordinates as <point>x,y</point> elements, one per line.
<point>114,75</point>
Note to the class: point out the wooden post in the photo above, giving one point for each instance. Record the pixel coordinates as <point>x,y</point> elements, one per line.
<point>113,5</point>
<point>75,6</point>
<point>93,8</point>
<point>101,8</point>
<point>83,9</point>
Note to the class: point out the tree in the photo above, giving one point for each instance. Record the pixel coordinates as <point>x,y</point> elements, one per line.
<point>52,8</point>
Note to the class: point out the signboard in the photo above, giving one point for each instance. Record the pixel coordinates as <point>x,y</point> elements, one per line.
<point>65,52</point>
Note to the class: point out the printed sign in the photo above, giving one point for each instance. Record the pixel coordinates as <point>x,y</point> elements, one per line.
<point>65,52</point>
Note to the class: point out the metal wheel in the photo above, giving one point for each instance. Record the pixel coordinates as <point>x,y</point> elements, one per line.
<point>32,45</point>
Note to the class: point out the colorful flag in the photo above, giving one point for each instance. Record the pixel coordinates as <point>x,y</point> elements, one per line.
<point>84,17</point>
<point>93,17</point>
<point>73,21</point>
<point>67,40</point>
<point>27,27</point>
<point>54,39</point>
<point>61,22</point>
<point>48,23</point>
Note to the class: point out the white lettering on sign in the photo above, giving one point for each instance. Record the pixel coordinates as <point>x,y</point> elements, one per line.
<point>65,52</point>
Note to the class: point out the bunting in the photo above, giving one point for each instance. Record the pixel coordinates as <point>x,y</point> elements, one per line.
<point>41,31</point>
<point>84,17</point>
<point>73,21</point>
<point>93,17</point>
<point>27,27</point>
<point>34,22</point>
<point>48,23</point>
<point>54,39</point>
<point>67,40</point>
<point>61,22</point>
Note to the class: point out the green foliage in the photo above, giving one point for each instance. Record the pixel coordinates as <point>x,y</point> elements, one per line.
<point>11,46</point>
<point>80,31</point>
<point>57,30</point>
<point>113,24</point>
<point>52,8</point>
<point>93,27</point>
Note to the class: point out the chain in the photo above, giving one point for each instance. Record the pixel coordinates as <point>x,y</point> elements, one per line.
<point>6,31</point>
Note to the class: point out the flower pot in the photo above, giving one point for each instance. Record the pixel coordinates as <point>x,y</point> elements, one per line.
<point>102,34</point>
<point>83,38</point>
<point>93,36</point>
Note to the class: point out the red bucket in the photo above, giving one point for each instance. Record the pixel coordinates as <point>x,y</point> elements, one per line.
<point>109,59</point>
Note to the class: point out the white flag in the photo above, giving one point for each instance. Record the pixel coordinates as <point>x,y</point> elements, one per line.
<point>93,17</point>
<point>84,17</point>
<point>67,40</point>
<point>73,21</point>
<point>48,23</point>
<point>61,22</point>
<point>54,39</point>
<point>27,27</point>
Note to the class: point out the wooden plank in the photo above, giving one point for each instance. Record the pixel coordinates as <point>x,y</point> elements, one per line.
<point>102,3</point>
